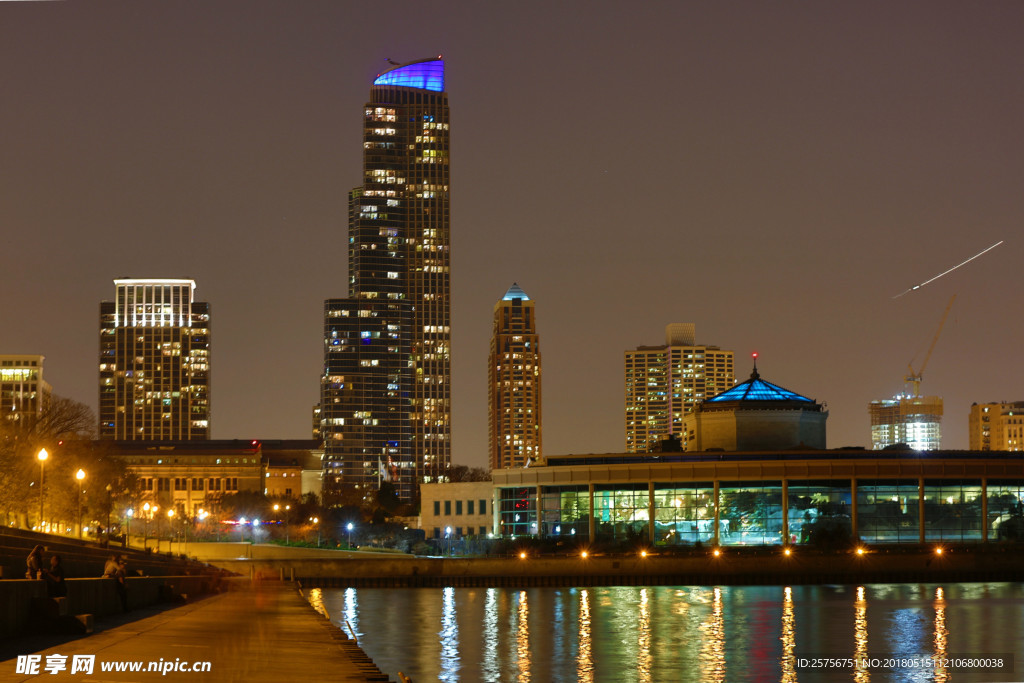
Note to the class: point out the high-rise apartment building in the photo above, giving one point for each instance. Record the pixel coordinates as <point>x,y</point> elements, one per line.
<point>912,420</point>
<point>514,382</point>
<point>997,426</point>
<point>664,383</point>
<point>386,389</point>
<point>23,392</point>
<point>154,362</point>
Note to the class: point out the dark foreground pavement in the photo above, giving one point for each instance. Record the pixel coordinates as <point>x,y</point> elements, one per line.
<point>263,632</point>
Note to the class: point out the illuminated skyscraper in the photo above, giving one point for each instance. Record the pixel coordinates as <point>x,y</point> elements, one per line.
<point>911,420</point>
<point>23,393</point>
<point>514,382</point>
<point>997,426</point>
<point>154,362</point>
<point>664,383</point>
<point>386,389</point>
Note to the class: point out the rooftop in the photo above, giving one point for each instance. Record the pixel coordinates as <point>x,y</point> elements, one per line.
<point>424,74</point>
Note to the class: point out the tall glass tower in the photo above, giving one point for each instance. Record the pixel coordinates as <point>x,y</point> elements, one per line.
<point>386,390</point>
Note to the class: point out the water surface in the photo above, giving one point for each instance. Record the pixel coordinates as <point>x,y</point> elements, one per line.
<point>682,633</point>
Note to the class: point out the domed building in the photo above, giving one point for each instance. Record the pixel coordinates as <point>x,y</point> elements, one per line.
<point>756,415</point>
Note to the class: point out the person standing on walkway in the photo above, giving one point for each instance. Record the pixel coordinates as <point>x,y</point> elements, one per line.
<point>34,563</point>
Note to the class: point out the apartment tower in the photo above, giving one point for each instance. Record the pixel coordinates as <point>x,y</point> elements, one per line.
<point>154,362</point>
<point>997,426</point>
<point>23,392</point>
<point>386,389</point>
<point>514,382</point>
<point>664,383</point>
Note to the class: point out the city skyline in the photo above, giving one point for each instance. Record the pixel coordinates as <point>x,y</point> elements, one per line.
<point>796,166</point>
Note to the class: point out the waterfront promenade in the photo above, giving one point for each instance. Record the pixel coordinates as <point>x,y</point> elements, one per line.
<point>263,631</point>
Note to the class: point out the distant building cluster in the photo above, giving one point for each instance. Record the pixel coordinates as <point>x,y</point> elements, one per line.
<point>384,414</point>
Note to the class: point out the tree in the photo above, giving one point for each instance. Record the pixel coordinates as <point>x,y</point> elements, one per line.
<point>61,421</point>
<point>460,473</point>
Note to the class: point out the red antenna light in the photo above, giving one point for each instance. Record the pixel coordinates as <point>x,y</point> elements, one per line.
<point>754,355</point>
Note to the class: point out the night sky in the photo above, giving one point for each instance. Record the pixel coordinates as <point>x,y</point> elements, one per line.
<point>772,172</point>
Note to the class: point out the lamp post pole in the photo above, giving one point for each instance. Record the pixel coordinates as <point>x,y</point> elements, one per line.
<point>80,476</point>
<point>109,490</point>
<point>170,532</point>
<point>350,535</point>
<point>43,455</point>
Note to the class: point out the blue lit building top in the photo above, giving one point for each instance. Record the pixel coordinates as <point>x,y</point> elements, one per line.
<point>756,389</point>
<point>515,292</point>
<point>427,74</point>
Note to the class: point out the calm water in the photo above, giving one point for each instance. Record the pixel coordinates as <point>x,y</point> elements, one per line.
<point>681,633</point>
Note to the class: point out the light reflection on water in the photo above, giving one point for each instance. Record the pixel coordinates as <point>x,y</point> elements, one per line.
<point>584,662</point>
<point>523,638</point>
<point>745,633</point>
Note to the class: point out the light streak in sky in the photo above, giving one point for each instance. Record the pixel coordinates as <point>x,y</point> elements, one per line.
<point>947,272</point>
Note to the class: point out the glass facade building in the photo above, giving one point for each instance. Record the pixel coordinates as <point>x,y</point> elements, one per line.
<point>762,499</point>
<point>385,400</point>
<point>154,362</point>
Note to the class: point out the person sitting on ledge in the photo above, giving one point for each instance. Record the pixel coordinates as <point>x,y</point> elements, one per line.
<point>116,569</point>
<point>34,563</point>
<point>55,586</point>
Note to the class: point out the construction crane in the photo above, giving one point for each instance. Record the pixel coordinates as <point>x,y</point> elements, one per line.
<point>915,377</point>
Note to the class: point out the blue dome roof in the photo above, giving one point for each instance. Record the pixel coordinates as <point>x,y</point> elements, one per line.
<point>427,74</point>
<point>515,292</point>
<point>756,389</point>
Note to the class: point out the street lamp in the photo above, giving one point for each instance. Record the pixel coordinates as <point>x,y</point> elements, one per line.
<point>350,535</point>
<point>170,531</point>
<point>287,524</point>
<point>316,521</point>
<point>129,513</point>
<point>80,475</point>
<point>448,535</point>
<point>149,511</point>
<point>43,455</point>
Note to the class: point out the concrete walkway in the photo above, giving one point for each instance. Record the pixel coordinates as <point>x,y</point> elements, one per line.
<point>266,632</point>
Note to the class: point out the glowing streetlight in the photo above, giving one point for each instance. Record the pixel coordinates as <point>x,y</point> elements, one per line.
<point>170,532</point>
<point>350,535</point>
<point>129,513</point>
<point>43,455</point>
<point>448,535</point>
<point>80,475</point>
<point>316,521</point>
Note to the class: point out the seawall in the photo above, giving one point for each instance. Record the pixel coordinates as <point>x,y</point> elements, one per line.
<point>731,567</point>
